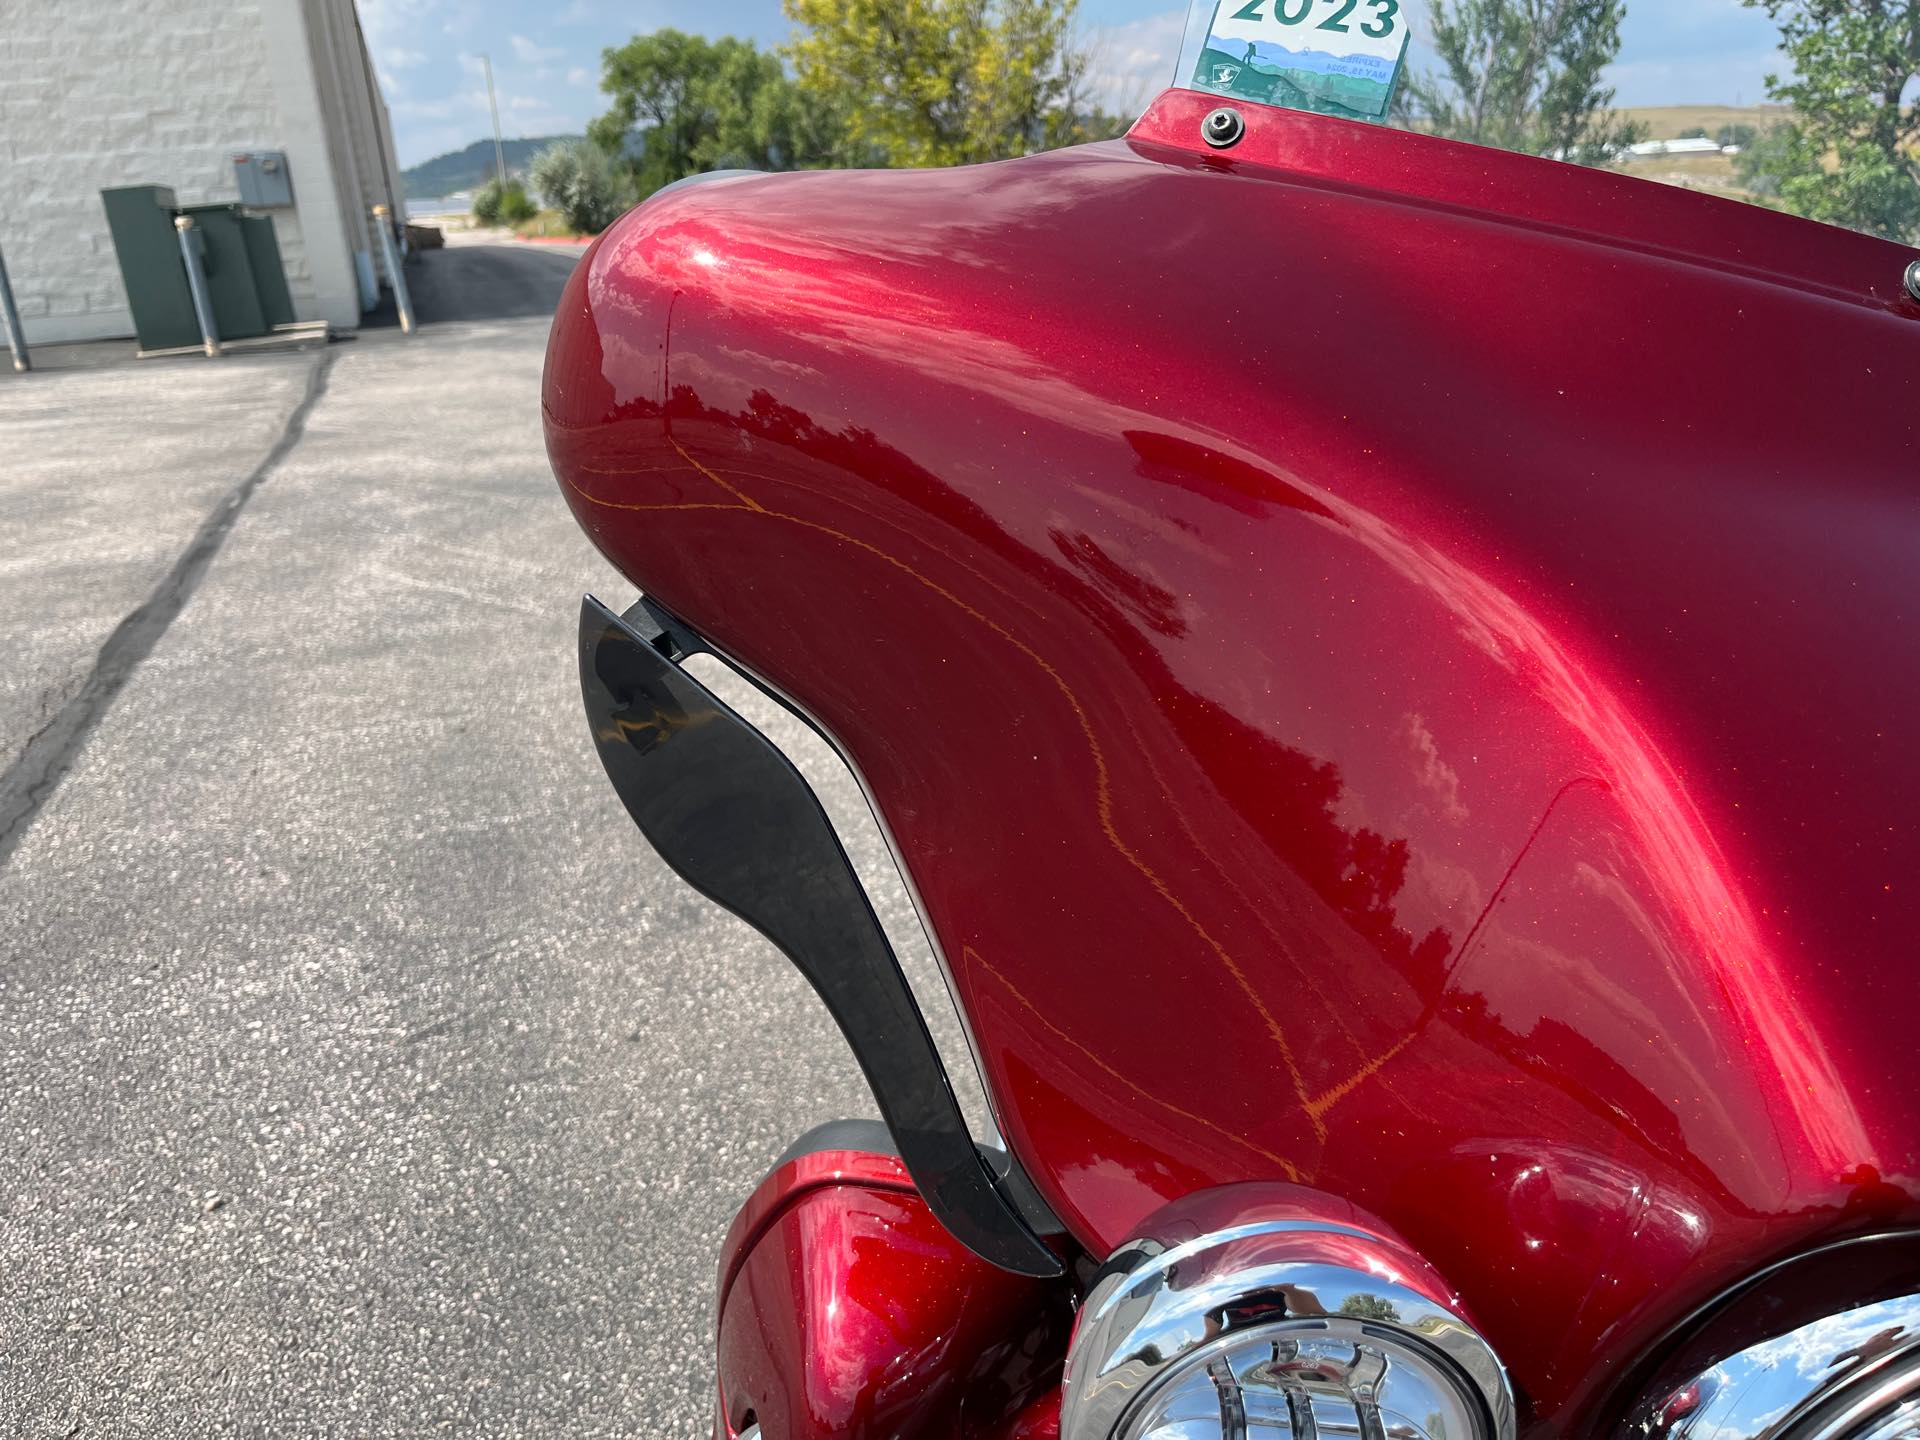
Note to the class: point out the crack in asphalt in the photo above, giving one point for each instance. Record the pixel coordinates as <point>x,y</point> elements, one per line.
<point>30,781</point>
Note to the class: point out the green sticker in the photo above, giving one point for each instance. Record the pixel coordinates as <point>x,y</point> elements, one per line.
<point>1334,57</point>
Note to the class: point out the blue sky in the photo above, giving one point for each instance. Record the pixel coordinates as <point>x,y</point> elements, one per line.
<point>546,55</point>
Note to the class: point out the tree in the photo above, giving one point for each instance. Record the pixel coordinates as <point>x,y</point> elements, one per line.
<point>683,104</point>
<point>1850,155</point>
<point>577,179</point>
<point>494,204</point>
<point>946,82</point>
<point>1524,75</point>
<point>1370,1307</point>
<point>1780,151</point>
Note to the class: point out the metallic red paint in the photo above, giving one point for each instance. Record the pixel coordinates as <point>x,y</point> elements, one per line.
<point>848,1313</point>
<point>1388,663</point>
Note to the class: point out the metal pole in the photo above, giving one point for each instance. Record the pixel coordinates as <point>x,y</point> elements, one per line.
<point>401,300</point>
<point>499,153</point>
<point>10,321</point>
<point>197,283</point>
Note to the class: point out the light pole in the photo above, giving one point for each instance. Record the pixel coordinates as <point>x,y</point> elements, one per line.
<point>499,154</point>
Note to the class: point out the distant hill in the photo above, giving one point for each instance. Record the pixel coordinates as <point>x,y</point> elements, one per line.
<point>1669,122</point>
<point>1714,174</point>
<point>472,167</point>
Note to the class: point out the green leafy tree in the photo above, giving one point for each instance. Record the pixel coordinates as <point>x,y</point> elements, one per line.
<point>1369,1307</point>
<point>1780,151</point>
<point>495,204</point>
<point>1738,136</point>
<point>946,82</point>
<point>1524,75</point>
<point>577,179</point>
<point>683,104</point>
<point>1849,157</point>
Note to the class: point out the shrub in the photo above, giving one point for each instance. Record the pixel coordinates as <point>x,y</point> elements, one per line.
<point>516,205</point>
<point>494,205</point>
<point>579,181</point>
<point>486,203</point>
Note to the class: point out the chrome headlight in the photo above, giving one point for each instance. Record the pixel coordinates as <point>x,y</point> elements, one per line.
<point>1850,1376</point>
<point>1261,1310</point>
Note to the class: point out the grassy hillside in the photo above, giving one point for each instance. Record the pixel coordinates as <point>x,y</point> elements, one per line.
<point>472,167</point>
<point>1669,122</point>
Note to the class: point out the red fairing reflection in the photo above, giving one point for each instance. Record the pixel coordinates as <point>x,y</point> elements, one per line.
<point>847,1313</point>
<point>1378,655</point>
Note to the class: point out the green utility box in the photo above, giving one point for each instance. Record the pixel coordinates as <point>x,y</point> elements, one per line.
<point>140,218</point>
<point>244,277</point>
<point>239,253</point>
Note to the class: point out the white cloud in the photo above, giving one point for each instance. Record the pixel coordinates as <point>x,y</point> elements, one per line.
<point>386,23</point>
<point>535,115</point>
<point>1134,62</point>
<point>581,78</point>
<point>530,53</point>
<point>1733,79</point>
<point>448,107</point>
<point>399,57</point>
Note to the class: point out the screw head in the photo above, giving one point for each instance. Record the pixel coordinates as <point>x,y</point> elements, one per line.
<point>1223,127</point>
<point>1913,279</point>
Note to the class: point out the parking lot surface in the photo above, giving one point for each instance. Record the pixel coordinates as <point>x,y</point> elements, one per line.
<point>361,1070</point>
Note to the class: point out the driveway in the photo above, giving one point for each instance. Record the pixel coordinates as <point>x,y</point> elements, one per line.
<point>361,1070</point>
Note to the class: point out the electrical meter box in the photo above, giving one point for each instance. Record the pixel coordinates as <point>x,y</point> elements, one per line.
<point>263,179</point>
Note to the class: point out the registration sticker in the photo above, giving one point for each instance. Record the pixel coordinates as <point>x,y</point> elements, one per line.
<point>1336,57</point>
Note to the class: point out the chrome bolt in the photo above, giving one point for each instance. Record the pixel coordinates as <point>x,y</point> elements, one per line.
<point>1223,127</point>
<point>1913,279</point>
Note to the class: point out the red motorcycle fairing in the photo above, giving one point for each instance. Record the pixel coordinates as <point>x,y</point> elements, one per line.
<point>1384,661</point>
<point>847,1313</point>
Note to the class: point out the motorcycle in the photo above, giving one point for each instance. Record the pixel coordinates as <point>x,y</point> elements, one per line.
<point>1385,667</point>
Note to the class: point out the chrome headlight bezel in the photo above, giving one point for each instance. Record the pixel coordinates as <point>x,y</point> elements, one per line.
<point>1288,1300</point>
<point>1851,1375</point>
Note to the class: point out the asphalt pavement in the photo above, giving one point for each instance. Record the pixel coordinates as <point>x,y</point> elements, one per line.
<point>362,1072</point>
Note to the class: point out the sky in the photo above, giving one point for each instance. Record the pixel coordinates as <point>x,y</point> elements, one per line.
<point>546,56</point>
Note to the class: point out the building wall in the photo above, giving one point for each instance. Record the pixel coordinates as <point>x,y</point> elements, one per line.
<point>100,93</point>
<point>299,62</point>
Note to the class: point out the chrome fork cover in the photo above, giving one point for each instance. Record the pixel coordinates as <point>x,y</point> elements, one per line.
<point>1852,1375</point>
<point>1260,1310</point>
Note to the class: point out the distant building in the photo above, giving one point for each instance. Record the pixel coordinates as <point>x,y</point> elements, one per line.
<point>1692,145</point>
<point>105,93</point>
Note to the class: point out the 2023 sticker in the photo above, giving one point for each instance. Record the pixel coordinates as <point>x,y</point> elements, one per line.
<point>1339,57</point>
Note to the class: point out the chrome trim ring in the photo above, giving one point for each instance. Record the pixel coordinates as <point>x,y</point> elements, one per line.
<point>1283,1324</point>
<point>1854,1375</point>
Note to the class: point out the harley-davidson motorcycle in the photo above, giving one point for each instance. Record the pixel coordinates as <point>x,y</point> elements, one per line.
<point>1389,671</point>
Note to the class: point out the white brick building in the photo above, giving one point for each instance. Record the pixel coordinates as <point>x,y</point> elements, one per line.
<point>102,93</point>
